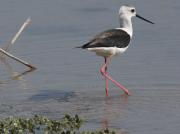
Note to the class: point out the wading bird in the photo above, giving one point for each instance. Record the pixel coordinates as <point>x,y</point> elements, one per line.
<point>114,41</point>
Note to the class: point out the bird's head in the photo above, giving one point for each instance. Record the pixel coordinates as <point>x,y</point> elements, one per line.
<point>129,12</point>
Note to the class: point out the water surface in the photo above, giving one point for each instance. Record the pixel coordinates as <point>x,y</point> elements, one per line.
<point>68,80</point>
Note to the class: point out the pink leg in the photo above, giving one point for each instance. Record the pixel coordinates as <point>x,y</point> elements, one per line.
<point>107,85</point>
<point>102,70</point>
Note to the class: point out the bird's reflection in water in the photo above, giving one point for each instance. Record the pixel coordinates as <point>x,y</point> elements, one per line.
<point>114,109</point>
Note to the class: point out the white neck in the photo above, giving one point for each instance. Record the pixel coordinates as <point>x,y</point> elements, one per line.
<point>126,24</point>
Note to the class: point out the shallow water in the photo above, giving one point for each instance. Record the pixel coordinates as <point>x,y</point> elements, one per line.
<point>68,80</point>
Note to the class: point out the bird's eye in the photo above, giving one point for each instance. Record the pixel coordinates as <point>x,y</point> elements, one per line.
<point>132,10</point>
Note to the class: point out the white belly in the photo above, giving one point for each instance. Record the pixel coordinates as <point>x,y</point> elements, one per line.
<point>107,51</point>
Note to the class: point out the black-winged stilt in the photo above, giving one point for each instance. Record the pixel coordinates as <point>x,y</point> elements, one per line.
<point>114,41</point>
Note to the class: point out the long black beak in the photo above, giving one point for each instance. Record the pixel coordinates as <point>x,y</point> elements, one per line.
<point>144,19</point>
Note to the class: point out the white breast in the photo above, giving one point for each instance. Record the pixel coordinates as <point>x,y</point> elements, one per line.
<point>108,51</point>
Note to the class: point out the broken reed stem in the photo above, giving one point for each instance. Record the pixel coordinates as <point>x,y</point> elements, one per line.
<point>16,36</point>
<point>17,59</point>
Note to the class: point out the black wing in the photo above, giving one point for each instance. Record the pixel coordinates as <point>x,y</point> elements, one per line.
<point>110,38</point>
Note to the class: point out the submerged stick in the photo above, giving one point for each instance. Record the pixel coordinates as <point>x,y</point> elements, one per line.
<point>17,59</point>
<point>16,36</point>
